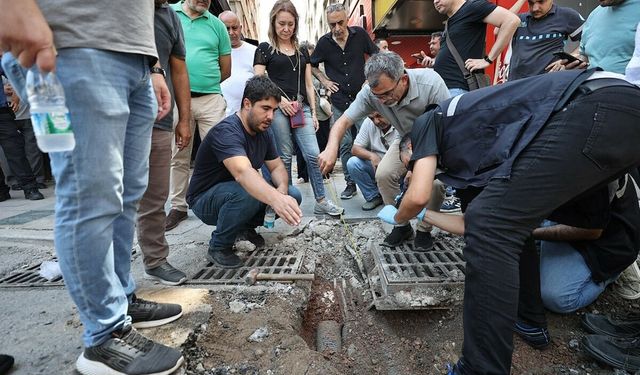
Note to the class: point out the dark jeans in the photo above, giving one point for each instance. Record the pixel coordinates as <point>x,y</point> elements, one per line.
<point>346,144</point>
<point>4,188</point>
<point>231,209</point>
<point>12,143</point>
<point>530,303</point>
<point>586,144</point>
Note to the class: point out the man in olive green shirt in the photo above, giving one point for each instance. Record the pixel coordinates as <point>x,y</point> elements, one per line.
<point>209,63</point>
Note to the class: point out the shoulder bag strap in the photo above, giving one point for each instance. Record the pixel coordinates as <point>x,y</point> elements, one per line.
<point>454,52</point>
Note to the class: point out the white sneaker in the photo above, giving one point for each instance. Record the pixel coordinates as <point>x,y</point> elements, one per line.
<point>327,207</point>
<point>628,284</point>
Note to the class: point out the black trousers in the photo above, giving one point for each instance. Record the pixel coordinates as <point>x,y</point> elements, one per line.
<point>587,144</point>
<point>12,143</point>
<point>530,306</point>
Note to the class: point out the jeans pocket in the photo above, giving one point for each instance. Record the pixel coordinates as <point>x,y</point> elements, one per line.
<point>613,136</point>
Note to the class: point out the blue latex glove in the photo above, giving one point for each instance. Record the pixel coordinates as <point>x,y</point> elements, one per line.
<point>421,214</point>
<point>387,214</point>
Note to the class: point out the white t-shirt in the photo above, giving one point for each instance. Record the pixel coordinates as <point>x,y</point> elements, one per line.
<point>241,71</point>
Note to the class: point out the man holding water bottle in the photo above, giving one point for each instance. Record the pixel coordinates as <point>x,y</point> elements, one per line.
<point>103,61</point>
<point>226,189</point>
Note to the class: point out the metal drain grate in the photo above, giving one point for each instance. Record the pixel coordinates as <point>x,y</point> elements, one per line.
<point>405,279</point>
<point>29,277</point>
<point>266,260</point>
<point>403,265</point>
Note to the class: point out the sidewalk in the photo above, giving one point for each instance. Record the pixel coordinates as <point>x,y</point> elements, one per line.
<point>40,325</point>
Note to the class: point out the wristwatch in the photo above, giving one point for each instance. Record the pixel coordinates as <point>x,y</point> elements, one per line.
<point>487,59</point>
<point>158,70</point>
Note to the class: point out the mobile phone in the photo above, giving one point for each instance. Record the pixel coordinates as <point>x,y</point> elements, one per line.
<point>566,56</point>
<point>418,56</point>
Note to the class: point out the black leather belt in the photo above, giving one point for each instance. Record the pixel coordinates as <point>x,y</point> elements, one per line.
<point>599,83</point>
<point>199,94</point>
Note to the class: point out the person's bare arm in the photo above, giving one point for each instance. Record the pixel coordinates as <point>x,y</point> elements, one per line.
<point>163,96</point>
<point>451,223</point>
<point>251,181</point>
<point>182,92</point>
<point>508,23</point>
<point>225,67</point>
<point>365,154</point>
<point>311,96</point>
<point>326,82</point>
<point>419,192</point>
<point>327,158</point>
<point>280,179</point>
<point>561,232</point>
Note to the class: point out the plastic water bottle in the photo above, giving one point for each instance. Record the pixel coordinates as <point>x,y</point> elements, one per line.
<point>49,113</point>
<point>269,217</point>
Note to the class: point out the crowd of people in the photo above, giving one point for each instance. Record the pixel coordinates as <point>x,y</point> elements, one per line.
<point>543,167</point>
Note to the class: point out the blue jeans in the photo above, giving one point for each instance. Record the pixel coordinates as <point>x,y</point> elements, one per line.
<point>346,143</point>
<point>231,209</point>
<point>306,140</point>
<point>364,176</point>
<point>98,184</point>
<point>562,291</point>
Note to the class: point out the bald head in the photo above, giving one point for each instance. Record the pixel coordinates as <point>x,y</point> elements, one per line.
<point>234,27</point>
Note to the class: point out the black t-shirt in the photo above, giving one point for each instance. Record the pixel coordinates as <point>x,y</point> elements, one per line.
<point>226,140</point>
<point>467,32</point>
<point>346,67</point>
<point>425,136</point>
<point>285,71</point>
<point>619,243</point>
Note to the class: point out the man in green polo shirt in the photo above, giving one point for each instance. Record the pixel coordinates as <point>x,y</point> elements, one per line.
<point>209,63</point>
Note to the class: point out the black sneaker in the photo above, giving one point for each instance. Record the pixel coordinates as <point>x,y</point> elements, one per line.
<point>6,362</point>
<point>620,353</point>
<point>349,192</point>
<point>398,235</point>
<point>224,257</point>
<point>252,236</point>
<point>536,337</point>
<point>127,352</point>
<point>166,274</point>
<point>5,196</point>
<point>147,314</point>
<point>423,241</point>
<point>627,327</point>
<point>33,194</point>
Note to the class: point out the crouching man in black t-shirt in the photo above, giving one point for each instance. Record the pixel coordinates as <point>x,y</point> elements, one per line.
<point>226,189</point>
<point>532,145</point>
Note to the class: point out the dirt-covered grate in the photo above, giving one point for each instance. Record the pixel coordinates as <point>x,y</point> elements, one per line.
<point>404,279</point>
<point>29,277</point>
<point>265,260</point>
<point>403,265</point>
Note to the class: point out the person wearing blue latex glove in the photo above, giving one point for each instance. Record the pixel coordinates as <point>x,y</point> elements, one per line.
<point>528,156</point>
<point>388,212</point>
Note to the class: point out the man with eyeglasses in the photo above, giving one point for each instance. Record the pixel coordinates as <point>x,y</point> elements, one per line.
<point>342,51</point>
<point>369,147</point>
<point>400,96</point>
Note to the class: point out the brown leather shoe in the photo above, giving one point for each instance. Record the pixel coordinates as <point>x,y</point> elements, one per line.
<point>174,218</point>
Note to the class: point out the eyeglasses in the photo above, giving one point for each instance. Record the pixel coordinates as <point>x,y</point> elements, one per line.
<point>387,93</point>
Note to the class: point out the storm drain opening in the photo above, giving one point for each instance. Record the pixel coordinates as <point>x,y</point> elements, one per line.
<point>407,279</point>
<point>30,277</point>
<point>266,261</point>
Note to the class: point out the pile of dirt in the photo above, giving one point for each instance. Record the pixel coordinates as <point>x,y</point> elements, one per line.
<point>258,330</point>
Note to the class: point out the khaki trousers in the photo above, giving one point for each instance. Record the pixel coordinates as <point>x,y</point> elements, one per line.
<point>389,173</point>
<point>151,214</point>
<point>206,112</point>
